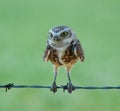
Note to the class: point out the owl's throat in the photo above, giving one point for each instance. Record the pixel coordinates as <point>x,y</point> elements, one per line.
<point>61,44</point>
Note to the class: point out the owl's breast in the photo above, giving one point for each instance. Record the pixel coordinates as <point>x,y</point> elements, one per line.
<point>54,56</point>
<point>61,57</point>
<point>69,57</point>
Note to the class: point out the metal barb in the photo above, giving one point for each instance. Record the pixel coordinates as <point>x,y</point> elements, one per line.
<point>8,86</point>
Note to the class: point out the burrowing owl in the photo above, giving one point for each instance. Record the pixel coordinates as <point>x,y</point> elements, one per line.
<point>63,49</point>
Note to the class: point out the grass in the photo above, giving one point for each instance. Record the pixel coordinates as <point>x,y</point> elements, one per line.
<point>24,29</point>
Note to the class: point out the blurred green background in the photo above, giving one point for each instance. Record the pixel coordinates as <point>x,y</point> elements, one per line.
<point>24,26</point>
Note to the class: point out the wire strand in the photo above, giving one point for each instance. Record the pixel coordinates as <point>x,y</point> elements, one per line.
<point>11,85</point>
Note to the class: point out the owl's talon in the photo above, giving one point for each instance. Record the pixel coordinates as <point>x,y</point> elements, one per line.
<point>53,87</point>
<point>70,87</point>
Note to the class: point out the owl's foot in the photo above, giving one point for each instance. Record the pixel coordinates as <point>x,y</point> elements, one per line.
<point>53,87</point>
<point>70,87</point>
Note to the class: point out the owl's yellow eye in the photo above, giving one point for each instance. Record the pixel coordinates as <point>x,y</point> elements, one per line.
<point>64,34</point>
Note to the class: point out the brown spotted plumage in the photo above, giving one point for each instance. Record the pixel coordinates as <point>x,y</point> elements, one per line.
<point>63,49</point>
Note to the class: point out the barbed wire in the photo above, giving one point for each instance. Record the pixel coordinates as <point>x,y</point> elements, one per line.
<point>11,85</point>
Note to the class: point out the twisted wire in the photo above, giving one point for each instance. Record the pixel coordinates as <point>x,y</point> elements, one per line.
<point>11,85</point>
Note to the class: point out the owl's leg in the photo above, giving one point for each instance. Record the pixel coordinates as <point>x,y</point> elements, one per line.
<point>70,86</point>
<point>54,86</point>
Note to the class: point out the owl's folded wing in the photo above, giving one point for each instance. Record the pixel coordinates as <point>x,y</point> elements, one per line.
<point>78,50</point>
<point>46,53</point>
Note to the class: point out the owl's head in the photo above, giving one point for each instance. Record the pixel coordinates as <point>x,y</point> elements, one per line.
<point>60,36</point>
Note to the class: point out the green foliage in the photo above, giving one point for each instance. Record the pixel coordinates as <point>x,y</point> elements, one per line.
<point>24,26</point>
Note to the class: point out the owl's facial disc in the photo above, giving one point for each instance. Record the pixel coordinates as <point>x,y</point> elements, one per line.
<point>60,36</point>
<point>60,41</point>
<point>55,41</point>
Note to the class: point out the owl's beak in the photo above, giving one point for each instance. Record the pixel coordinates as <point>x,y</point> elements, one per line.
<point>56,38</point>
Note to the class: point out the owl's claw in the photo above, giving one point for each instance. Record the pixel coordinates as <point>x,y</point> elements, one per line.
<point>53,87</point>
<point>70,87</point>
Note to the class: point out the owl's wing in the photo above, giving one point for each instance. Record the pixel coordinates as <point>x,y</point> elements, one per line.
<point>78,50</point>
<point>46,53</point>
